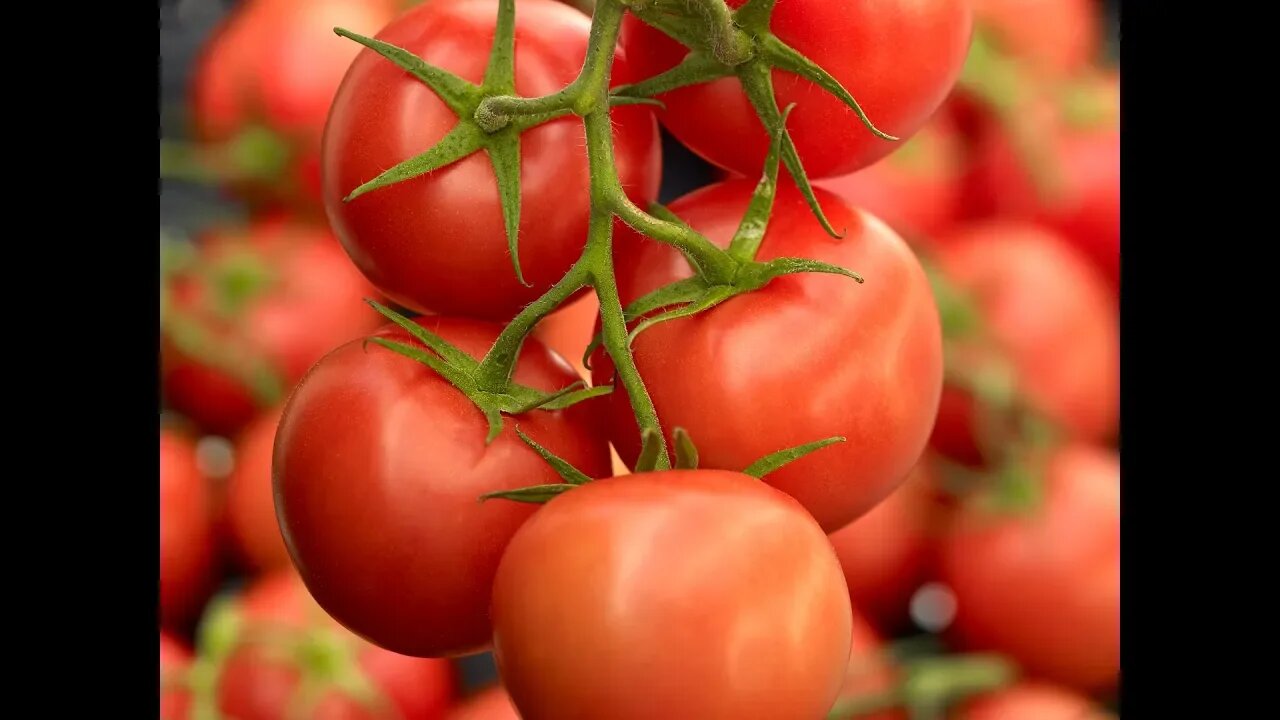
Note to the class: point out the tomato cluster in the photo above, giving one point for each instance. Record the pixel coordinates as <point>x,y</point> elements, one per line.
<point>697,460</point>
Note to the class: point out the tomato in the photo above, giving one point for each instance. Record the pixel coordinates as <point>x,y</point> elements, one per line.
<point>712,594</point>
<point>175,658</point>
<point>1030,701</point>
<point>885,554</point>
<point>438,242</point>
<point>259,685</point>
<point>1081,144</point>
<point>250,506</point>
<point>274,66</point>
<point>870,672</point>
<point>1044,587</point>
<point>898,58</point>
<point>569,330</point>
<point>188,543</point>
<point>1049,314</point>
<point>807,357</point>
<point>251,301</point>
<point>492,704</point>
<point>1051,36</point>
<point>379,466</point>
<point>917,189</point>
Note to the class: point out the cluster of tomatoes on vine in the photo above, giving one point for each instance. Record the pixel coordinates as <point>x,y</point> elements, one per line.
<point>845,421</point>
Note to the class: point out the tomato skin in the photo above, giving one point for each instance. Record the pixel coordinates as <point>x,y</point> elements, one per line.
<point>1050,314</point>
<point>1044,588</point>
<point>438,242</point>
<point>915,190</point>
<point>1051,36</point>
<point>735,377</point>
<point>276,64</point>
<point>713,594</point>
<point>187,539</point>
<point>379,466</point>
<point>909,54</point>
<point>886,553</point>
<point>250,506</point>
<point>305,275</point>
<point>256,686</point>
<point>175,658</point>
<point>492,704</point>
<point>1031,701</point>
<point>569,330</point>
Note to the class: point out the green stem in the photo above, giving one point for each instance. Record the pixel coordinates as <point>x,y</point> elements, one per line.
<point>495,370</point>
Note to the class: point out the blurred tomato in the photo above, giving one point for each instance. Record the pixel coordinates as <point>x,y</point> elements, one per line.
<point>916,189</point>
<point>250,504</point>
<point>1031,701</point>
<point>569,330</point>
<point>1047,313</point>
<point>492,704</point>
<point>1043,585</point>
<point>175,658</point>
<point>264,82</point>
<point>268,680</point>
<point>242,322</point>
<point>1052,36</point>
<point>870,670</point>
<point>187,538</point>
<point>885,553</point>
<point>1075,188</point>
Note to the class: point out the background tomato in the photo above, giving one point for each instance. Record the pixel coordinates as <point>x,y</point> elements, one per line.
<point>437,242</point>
<point>175,658</point>
<point>379,466</point>
<point>240,326</point>
<point>1031,700</point>
<point>250,506</point>
<point>263,681</point>
<point>714,595</point>
<point>908,55</point>
<point>1051,36</point>
<point>491,704</point>
<point>805,358</point>
<point>1044,586</point>
<point>267,77</point>
<point>1046,312</point>
<point>187,539</point>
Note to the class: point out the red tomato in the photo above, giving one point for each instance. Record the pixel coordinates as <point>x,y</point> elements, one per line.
<point>807,357</point>
<point>379,466</point>
<point>917,189</point>
<point>569,330</point>
<point>259,685</point>
<point>438,242</point>
<point>898,58</point>
<point>175,658</point>
<point>870,672</point>
<point>275,65</point>
<point>250,506</point>
<point>1081,142</point>
<point>1044,587</point>
<point>1031,701</point>
<point>885,553</point>
<point>254,294</point>
<point>492,704</point>
<point>712,594</point>
<point>1054,36</point>
<point>1046,310</point>
<point>187,541</point>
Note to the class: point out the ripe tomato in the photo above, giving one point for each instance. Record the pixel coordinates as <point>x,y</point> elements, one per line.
<point>1080,137</point>
<point>175,658</point>
<point>1044,587</point>
<point>898,59</point>
<point>1047,311</point>
<point>569,330</point>
<point>247,307</point>
<point>1031,701</point>
<point>250,506</point>
<point>259,685</point>
<point>438,242</point>
<point>492,704</point>
<point>379,466</point>
<point>885,554</point>
<point>274,66</point>
<point>807,357</point>
<point>712,594</point>
<point>1052,36</point>
<point>870,672</point>
<point>187,540</point>
<point>917,189</point>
